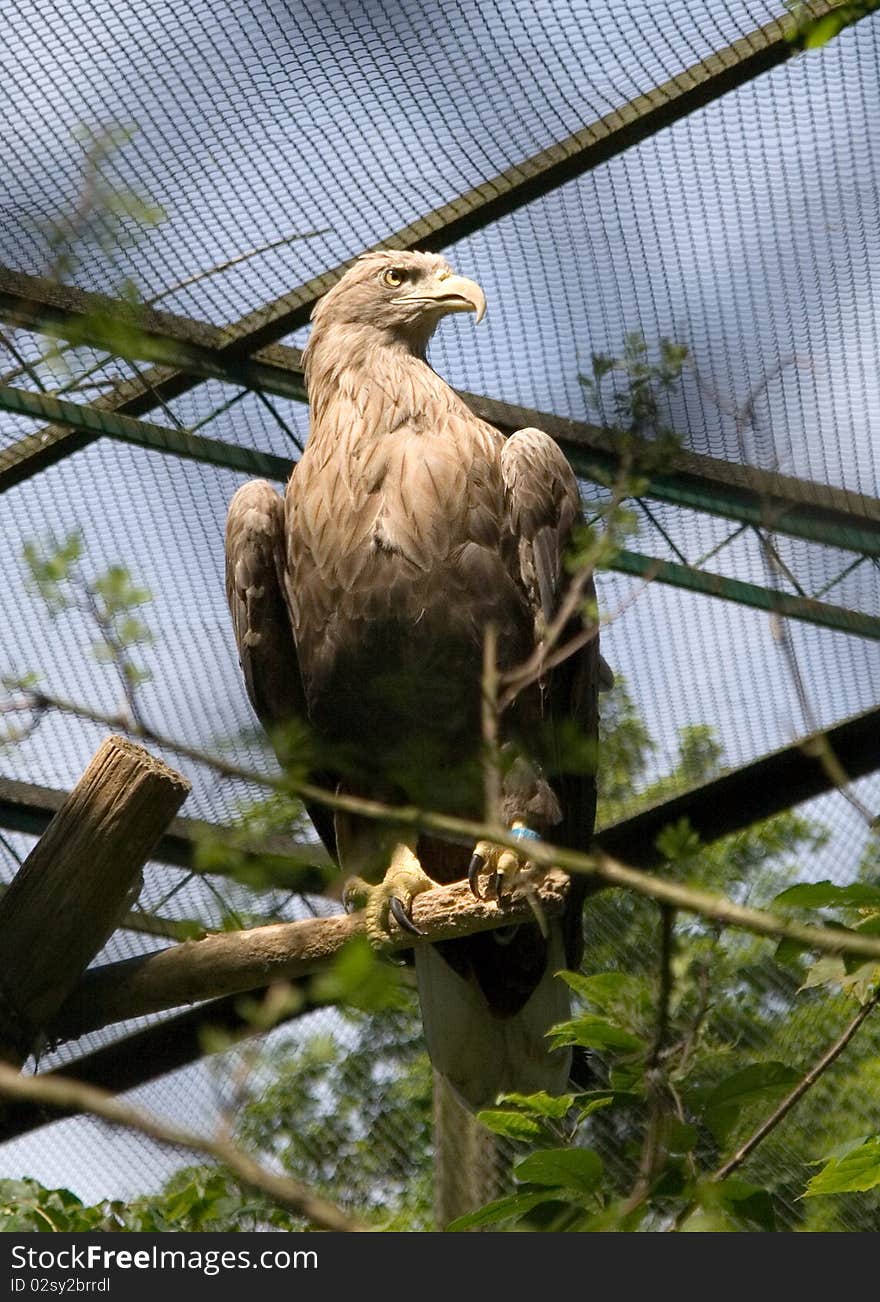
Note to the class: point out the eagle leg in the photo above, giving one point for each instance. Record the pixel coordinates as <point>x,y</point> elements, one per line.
<point>392,897</point>
<point>502,867</point>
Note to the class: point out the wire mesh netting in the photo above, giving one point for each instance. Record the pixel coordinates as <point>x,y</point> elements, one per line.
<point>210,159</point>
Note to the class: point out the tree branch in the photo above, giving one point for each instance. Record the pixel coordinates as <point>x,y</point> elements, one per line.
<point>791,1100</point>
<point>57,1092</point>
<point>233,962</point>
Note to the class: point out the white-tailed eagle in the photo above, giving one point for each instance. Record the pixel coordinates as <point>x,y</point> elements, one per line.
<point>360,602</point>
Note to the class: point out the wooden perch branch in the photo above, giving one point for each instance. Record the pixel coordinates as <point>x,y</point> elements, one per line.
<point>233,962</point>
<point>70,893</point>
<point>236,961</point>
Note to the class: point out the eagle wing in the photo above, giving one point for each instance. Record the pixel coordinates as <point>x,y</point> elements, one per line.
<point>545,508</point>
<point>263,635</point>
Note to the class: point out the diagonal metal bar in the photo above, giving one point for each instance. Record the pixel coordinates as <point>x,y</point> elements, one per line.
<point>746,594</point>
<point>808,767</point>
<point>816,512</point>
<point>670,543</point>
<point>774,561</point>
<point>832,583</point>
<point>594,144</point>
<point>91,422</point>
<point>719,546</point>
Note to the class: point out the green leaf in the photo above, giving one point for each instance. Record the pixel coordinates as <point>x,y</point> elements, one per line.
<point>504,1209</point>
<point>593,1033</point>
<point>830,969</point>
<point>789,951</point>
<point>608,991</point>
<point>627,1079</point>
<point>680,1136</point>
<point>857,1172</point>
<point>602,364</point>
<point>861,980</point>
<point>759,1081</point>
<point>678,841</point>
<point>593,1100</point>
<point>358,977</point>
<point>542,1104</point>
<point>562,1168</point>
<point>823,31</point>
<point>512,1125</point>
<point>827,895</point>
<point>747,1202</point>
<point>595,1105</point>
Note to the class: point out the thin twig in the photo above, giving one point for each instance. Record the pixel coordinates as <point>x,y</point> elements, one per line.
<point>791,1100</point>
<point>218,267</point>
<point>71,1095</point>
<point>104,622</point>
<point>704,987</point>
<point>656,1085</point>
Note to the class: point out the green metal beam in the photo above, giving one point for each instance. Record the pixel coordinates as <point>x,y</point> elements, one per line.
<point>94,423</point>
<point>91,423</point>
<point>808,767</point>
<point>746,594</point>
<point>633,122</point>
<point>285,863</point>
<point>800,508</point>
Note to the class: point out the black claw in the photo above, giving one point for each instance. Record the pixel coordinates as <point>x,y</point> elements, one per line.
<point>476,866</point>
<point>402,918</point>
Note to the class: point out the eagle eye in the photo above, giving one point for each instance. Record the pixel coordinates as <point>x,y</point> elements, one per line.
<point>393,277</point>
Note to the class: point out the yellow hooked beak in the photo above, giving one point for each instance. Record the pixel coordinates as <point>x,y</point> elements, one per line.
<point>449,293</point>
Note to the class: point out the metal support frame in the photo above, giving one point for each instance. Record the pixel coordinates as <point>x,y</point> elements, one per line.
<point>819,514</point>
<point>809,767</point>
<point>635,121</point>
<point>693,579</point>
<point>715,808</point>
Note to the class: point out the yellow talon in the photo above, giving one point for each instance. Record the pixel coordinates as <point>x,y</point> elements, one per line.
<point>391,898</point>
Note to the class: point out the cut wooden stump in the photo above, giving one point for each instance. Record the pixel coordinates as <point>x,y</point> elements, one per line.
<point>68,896</point>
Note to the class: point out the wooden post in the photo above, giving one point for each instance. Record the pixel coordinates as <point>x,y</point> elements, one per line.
<point>67,898</point>
<point>466,1160</point>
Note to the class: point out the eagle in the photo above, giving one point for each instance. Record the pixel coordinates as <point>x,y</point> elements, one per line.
<point>360,604</point>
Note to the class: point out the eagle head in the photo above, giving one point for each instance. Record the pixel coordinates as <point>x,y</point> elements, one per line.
<point>402,295</point>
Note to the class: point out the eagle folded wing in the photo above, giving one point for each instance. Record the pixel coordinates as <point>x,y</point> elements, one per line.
<point>545,508</point>
<point>266,649</point>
